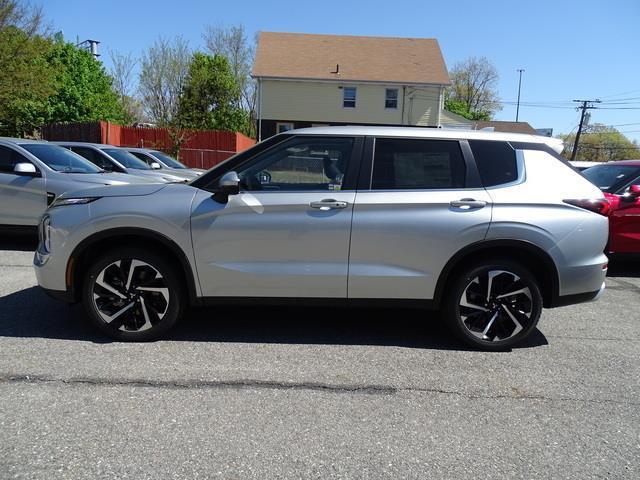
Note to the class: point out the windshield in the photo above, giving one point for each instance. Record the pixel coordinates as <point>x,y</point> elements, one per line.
<point>167,160</point>
<point>611,178</point>
<point>60,159</point>
<point>126,159</point>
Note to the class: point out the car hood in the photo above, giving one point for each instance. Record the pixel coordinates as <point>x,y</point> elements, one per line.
<point>107,178</point>
<point>157,175</point>
<point>183,174</point>
<point>131,190</point>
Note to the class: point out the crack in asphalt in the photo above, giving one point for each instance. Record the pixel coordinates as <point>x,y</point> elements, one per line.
<point>308,386</point>
<point>203,384</point>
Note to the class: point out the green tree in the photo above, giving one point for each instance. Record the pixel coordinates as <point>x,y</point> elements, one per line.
<point>84,90</point>
<point>459,107</point>
<point>601,143</point>
<point>25,76</point>
<point>209,97</point>
<point>234,44</point>
<point>473,92</point>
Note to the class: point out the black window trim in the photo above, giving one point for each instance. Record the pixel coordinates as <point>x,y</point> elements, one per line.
<point>350,178</point>
<point>365,180</point>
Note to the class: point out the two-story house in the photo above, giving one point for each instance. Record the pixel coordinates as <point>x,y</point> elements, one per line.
<point>308,80</point>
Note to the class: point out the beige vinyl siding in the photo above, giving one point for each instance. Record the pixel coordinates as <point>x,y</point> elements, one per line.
<point>322,102</point>
<point>453,120</point>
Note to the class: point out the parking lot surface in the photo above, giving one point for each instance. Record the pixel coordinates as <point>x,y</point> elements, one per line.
<point>316,393</point>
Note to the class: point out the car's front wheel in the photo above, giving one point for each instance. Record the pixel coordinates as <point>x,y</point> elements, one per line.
<point>132,295</point>
<point>494,304</point>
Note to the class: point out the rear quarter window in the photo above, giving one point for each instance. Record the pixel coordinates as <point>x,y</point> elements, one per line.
<point>496,162</point>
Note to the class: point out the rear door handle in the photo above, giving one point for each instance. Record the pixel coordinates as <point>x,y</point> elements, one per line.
<point>328,204</point>
<point>467,203</point>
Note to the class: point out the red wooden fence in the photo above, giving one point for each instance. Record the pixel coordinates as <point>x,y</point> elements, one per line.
<point>201,149</point>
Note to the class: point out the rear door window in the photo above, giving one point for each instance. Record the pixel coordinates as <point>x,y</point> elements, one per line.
<point>496,162</point>
<point>416,164</point>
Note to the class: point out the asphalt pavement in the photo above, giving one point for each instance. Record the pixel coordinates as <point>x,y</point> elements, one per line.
<point>269,392</point>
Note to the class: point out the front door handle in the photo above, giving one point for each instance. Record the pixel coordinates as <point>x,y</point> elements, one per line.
<point>328,204</point>
<point>467,203</point>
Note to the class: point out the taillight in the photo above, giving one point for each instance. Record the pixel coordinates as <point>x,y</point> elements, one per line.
<point>596,205</point>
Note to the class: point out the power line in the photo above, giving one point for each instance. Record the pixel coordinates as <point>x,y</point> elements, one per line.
<point>618,94</point>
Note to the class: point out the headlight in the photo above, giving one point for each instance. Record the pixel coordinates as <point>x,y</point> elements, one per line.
<point>45,233</point>
<point>61,202</point>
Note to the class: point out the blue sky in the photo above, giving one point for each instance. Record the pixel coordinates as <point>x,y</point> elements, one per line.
<point>569,49</point>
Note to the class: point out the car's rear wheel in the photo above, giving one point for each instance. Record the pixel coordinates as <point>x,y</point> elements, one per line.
<point>493,305</point>
<point>132,295</point>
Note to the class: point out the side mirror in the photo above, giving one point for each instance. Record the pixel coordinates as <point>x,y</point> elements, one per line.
<point>229,184</point>
<point>155,166</point>
<point>634,191</point>
<point>25,169</point>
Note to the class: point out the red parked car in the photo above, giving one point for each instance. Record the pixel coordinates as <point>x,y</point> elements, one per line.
<point>620,182</point>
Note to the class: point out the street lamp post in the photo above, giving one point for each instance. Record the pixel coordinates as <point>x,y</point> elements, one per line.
<point>520,70</point>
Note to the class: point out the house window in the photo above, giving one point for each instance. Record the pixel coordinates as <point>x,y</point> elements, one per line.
<point>391,98</point>
<point>349,97</point>
<point>283,127</point>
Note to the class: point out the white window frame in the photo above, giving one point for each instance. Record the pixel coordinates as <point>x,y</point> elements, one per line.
<point>355,97</point>
<point>386,90</point>
<point>284,124</point>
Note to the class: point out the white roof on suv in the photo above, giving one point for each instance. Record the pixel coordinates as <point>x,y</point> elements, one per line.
<point>420,132</point>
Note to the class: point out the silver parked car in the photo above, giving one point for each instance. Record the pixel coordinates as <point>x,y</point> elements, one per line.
<point>488,227</point>
<point>34,173</point>
<point>166,162</point>
<point>117,159</point>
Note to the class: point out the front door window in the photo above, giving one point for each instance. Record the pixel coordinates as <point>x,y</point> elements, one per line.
<point>301,164</point>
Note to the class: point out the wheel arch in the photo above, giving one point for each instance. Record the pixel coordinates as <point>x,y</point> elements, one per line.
<point>528,254</point>
<point>126,236</point>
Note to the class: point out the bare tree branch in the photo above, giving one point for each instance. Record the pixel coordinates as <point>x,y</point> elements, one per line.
<point>164,68</point>
<point>474,83</point>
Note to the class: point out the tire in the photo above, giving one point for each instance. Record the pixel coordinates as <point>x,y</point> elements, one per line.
<point>489,320</point>
<point>132,295</point>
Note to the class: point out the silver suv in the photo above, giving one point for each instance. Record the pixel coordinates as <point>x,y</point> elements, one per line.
<point>166,162</point>
<point>33,173</point>
<point>118,159</point>
<point>490,228</point>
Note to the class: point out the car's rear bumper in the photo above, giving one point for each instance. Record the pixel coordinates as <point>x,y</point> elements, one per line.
<point>565,300</point>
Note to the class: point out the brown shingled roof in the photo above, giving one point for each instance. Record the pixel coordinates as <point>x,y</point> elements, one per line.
<point>374,59</point>
<point>507,127</point>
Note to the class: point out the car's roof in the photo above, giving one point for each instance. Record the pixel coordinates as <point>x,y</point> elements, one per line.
<point>584,163</point>
<point>138,149</point>
<point>21,140</point>
<point>425,132</point>
<point>85,144</point>
<point>631,163</point>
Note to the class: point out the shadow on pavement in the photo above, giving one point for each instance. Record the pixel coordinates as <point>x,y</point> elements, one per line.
<point>18,240</point>
<point>30,313</point>
<point>624,267</point>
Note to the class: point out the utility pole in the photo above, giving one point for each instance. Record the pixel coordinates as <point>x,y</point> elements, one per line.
<point>586,105</point>
<point>520,70</point>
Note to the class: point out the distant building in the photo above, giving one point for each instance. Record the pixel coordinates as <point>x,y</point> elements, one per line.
<point>504,126</point>
<point>308,80</point>
<point>545,132</point>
